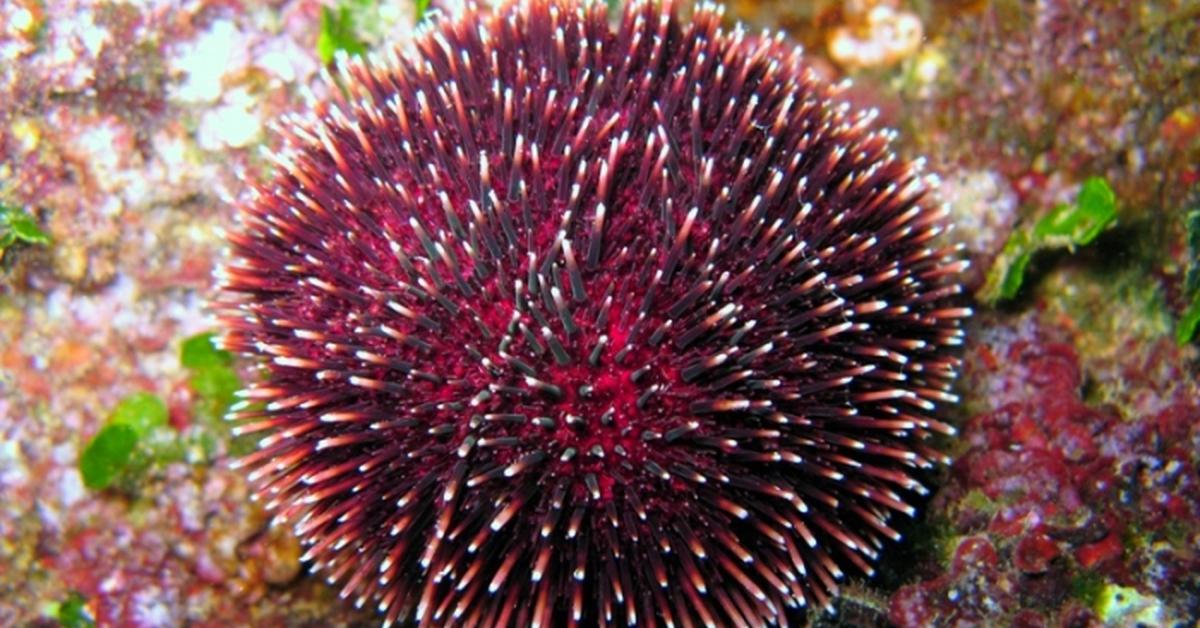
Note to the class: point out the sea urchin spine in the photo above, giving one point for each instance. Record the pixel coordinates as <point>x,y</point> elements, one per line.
<point>566,324</point>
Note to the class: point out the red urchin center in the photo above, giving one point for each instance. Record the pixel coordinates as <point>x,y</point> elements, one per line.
<point>563,385</point>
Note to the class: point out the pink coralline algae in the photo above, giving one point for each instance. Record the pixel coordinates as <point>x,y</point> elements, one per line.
<point>568,324</point>
<point>1057,499</point>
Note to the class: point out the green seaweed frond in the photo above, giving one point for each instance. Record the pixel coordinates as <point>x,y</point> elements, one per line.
<point>111,452</point>
<point>16,225</point>
<point>338,30</point>
<point>73,612</point>
<point>1066,227</point>
<point>212,376</point>
<point>1189,321</point>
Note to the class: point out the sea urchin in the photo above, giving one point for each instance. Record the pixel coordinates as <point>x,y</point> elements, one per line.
<point>568,324</point>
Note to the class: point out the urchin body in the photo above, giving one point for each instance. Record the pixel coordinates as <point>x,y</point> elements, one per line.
<point>572,324</point>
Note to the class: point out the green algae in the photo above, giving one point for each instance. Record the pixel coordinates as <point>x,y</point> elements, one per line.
<point>1066,227</point>
<point>137,436</point>
<point>16,225</point>
<point>1126,606</point>
<point>1188,322</point>
<point>73,612</point>
<point>112,452</point>
<point>977,501</point>
<point>1087,587</point>
<point>141,411</point>
<point>1185,329</point>
<point>215,381</point>
<point>338,30</point>
<point>212,376</point>
<point>107,455</point>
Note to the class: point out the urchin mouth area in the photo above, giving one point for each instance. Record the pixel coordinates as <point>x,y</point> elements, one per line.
<point>582,418</point>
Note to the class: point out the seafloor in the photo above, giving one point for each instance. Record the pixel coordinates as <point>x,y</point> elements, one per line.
<point>126,128</point>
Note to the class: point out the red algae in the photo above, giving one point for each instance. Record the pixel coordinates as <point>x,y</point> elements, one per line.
<point>1063,500</point>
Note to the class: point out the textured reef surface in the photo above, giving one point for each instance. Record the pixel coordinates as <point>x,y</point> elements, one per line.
<point>128,129</point>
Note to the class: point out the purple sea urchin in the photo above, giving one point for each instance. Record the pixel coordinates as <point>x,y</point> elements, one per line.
<point>566,324</point>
